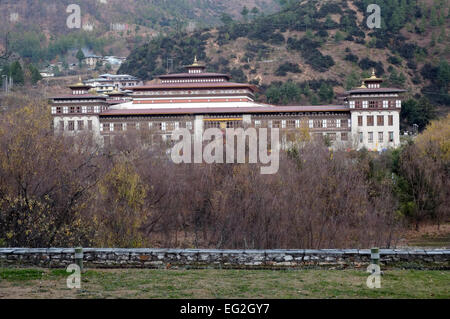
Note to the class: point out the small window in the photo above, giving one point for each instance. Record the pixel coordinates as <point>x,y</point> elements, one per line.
<point>118,127</point>
<point>80,125</point>
<point>344,136</point>
<point>380,120</point>
<point>106,127</point>
<point>391,136</point>
<point>361,137</point>
<point>370,137</point>
<point>71,125</point>
<point>61,125</point>
<point>370,120</point>
<point>390,120</point>
<point>344,123</point>
<point>360,120</point>
<point>380,137</point>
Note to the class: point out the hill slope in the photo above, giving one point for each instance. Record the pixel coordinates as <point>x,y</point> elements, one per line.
<point>322,46</point>
<point>36,24</point>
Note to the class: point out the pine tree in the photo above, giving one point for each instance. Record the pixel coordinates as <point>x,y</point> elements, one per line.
<point>35,74</point>
<point>244,13</point>
<point>254,12</point>
<point>442,35</point>
<point>433,17</point>
<point>433,40</point>
<point>16,72</point>
<point>80,56</point>
<point>351,81</point>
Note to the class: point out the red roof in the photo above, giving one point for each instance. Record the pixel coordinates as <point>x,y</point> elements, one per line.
<point>238,110</point>
<point>165,86</point>
<point>193,75</point>
<point>78,96</point>
<point>377,90</point>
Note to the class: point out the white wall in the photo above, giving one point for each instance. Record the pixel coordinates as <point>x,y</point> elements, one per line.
<point>375,145</point>
<point>85,118</point>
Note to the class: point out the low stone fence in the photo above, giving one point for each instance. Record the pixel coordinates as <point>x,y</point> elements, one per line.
<point>238,259</point>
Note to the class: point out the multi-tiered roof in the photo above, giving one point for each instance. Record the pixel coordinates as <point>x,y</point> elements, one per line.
<point>192,89</point>
<point>373,85</point>
<point>199,92</point>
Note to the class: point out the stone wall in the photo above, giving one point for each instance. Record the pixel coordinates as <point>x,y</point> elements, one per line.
<point>209,258</point>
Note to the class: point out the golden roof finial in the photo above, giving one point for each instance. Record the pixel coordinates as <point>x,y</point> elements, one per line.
<point>195,61</point>
<point>363,86</point>
<point>80,83</point>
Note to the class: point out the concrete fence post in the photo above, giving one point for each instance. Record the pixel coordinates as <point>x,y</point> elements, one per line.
<point>79,257</point>
<point>375,256</point>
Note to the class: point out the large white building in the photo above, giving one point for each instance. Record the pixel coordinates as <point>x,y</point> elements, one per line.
<point>368,117</point>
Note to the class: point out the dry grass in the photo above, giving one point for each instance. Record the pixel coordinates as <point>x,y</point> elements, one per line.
<point>144,283</point>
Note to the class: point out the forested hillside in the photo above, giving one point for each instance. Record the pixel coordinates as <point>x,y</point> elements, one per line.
<point>313,50</point>
<point>38,29</point>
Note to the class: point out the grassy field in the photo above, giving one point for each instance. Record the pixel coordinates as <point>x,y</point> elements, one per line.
<point>146,283</point>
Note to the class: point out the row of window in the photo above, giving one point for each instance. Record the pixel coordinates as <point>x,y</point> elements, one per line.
<point>201,91</point>
<point>370,137</point>
<point>195,80</point>
<point>283,124</point>
<point>79,92</point>
<point>78,109</point>
<point>376,104</point>
<point>159,126</point>
<point>332,136</point>
<point>74,101</point>
<point>80,125</point>
<point>317,123</point>
<point>222,124</point>
<point>370,120</point>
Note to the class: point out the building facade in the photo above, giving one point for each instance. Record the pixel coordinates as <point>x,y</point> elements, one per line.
<point>196,100</point>
<point>107,83</point>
